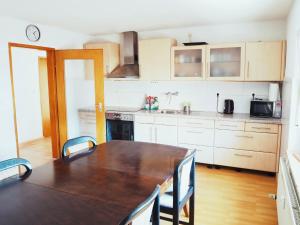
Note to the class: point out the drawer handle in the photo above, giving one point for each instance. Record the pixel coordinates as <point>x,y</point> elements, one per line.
<point>244,136</point>
<point>228,125</point>
<point>262,128</point>
<point>194,123</point>
<point>194,132</point>
<point>241,155</point>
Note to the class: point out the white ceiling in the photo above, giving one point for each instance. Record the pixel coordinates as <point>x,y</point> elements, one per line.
<point>110,16</point>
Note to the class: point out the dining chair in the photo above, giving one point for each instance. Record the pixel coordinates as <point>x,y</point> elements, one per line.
<point>146,213</point>
<point>183,192</point>
<point>78,144</point>
<point>14,162</point>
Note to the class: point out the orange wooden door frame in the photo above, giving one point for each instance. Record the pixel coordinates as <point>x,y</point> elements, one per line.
<point>81,54</point>
<point>52,87</point>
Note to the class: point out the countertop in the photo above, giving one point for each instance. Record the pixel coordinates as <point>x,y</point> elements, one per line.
<point>243,117</point>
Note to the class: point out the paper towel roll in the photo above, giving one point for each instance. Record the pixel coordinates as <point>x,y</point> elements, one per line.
<point>273,92</point>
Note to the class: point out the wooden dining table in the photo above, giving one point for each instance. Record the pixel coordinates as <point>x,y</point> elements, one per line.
<point>99,187</point>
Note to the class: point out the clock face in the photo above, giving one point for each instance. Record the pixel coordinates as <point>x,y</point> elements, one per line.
<point>33,33</point>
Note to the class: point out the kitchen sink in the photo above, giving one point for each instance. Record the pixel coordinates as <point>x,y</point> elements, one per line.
<point>170,111</point>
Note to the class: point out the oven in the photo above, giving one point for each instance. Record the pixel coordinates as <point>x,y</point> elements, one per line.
<point>119,126</point>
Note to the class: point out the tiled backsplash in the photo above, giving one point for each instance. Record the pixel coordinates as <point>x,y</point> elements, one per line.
<point>201,94</point>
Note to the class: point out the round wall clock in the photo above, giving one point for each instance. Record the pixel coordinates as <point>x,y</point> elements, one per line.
<point>33,33</point>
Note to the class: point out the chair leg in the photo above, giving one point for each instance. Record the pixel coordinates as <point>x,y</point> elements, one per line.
<point>186,210</point>
<point>192,210</point>
<point>176,217</point>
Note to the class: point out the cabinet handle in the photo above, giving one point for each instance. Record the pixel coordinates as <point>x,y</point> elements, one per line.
<point>248,68</point>
<point>243,136</point>
<point>262,128</point>
<point>228,125</point>
<point>194,132</point>
<point>207,69</point>
<point>194,123</point>
<point>242,155</point>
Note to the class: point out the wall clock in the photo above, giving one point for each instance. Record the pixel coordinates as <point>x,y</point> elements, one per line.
<point>33,33</point>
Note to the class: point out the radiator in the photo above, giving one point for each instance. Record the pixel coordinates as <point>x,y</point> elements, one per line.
<point>287,198</point>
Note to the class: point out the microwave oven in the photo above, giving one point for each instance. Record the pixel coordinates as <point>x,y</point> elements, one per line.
<point>261,108</point>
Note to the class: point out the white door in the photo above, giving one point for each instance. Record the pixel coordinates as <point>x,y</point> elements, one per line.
<point>143,132</point>
<point>166,134</point>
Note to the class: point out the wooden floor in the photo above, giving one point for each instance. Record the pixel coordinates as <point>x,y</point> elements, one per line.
<point>38,152</point>
<point>227,197</point>
<point>223,196</point>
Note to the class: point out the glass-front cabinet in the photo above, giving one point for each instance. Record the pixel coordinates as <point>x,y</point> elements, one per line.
<point>225,62</point>
<point>188,63</point>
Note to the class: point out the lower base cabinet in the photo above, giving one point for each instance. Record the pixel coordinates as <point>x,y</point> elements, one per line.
<point>204,154</point>
<point>245,159</point>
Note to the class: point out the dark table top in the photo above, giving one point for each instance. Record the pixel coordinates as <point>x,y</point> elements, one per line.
<point>101,187</point>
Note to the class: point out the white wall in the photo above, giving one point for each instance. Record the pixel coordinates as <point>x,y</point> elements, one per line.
<point>291,87</point>
<point>256,31</point>
<point>202,95</point>
<point>27,93</point>
<point>14,31</point>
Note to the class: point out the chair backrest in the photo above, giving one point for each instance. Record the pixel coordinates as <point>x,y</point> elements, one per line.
<point>77,144</point>
<point>184,177</point>
<point>14,162</point>
<point>142,214</point>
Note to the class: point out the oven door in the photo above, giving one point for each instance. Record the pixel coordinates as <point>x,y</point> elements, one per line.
<point>119,130</point>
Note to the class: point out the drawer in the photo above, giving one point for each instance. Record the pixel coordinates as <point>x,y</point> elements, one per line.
<point>165,120</point>
<point>262,142</point>
<point>143,119</point>
<point>194,122</point>
<point>262,127</point>
<point>229,125</point>
<point>195,136</point>
<point>204,154</point>
<point>245,159</point>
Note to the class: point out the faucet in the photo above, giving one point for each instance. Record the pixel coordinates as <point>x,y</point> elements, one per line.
<point>170,94</point>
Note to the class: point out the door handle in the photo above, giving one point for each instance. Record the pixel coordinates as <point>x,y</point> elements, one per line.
<point>99,107</point>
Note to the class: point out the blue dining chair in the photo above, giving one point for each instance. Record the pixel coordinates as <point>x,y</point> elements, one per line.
<point>146,213</point>
<point>79,141</point>
<point>183,191</point>
<point>14,162</point>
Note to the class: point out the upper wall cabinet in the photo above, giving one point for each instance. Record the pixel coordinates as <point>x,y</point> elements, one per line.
<point>155,58</point>
<point>265,61</point>
<point>225,62</point>
<point>188,63</point>
<point>111,57</point>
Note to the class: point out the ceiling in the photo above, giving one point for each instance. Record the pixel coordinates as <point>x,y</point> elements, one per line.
<point>109,16</point>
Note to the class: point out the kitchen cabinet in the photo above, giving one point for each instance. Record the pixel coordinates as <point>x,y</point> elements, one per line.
<point>111,58</point>
<point>265,61</point>
<point>256,147</point>
<point>188,62</point>
<point>197,134</point>
<point>225,62</point>
<point>143,132</point>
<point>165,134</point>
<point>155,58</point>
<point>160,130</point>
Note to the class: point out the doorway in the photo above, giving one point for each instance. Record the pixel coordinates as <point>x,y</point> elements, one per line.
<point>35,103</point>
<point>63,68</point>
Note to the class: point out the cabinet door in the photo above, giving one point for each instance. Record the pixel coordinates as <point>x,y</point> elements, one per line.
<point>155,59</point>
<point>143,132</point>
<point>166,135</point>
<point>264,61</point>
<point>188,63</point>
<point>111,57</point>
<point>225,62</point>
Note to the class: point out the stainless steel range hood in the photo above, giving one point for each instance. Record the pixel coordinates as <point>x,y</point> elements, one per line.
<point>129,67</point>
